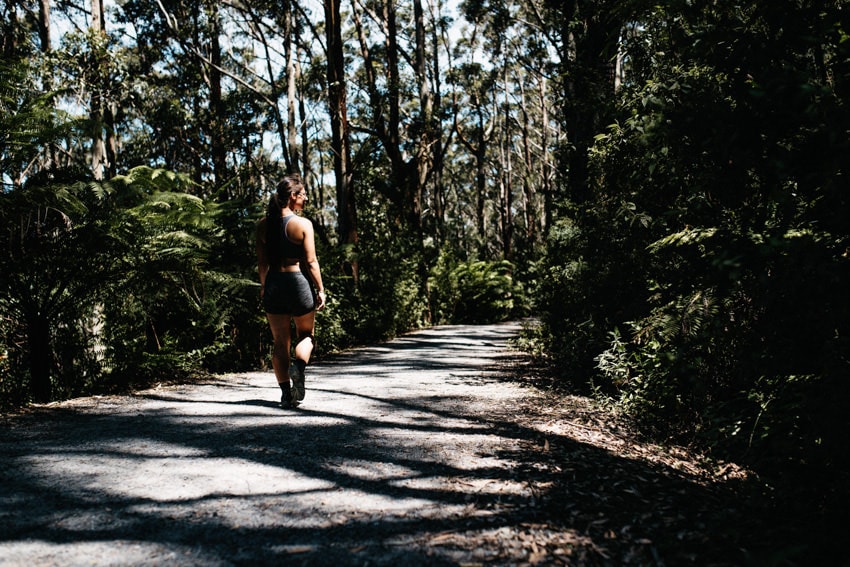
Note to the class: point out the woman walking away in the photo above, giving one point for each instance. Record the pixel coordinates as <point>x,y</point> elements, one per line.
<point>285,245</point>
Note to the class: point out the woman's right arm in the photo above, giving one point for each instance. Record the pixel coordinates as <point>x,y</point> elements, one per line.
<point>262,258</point>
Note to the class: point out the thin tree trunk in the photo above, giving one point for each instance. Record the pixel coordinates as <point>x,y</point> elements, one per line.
<point>410,203</point>
<point>481,185</point>
<point>43,25</point>
<point>546,168</point>
<point>527,183</point>
<point>590,88</point>
<point>10,35</point>
<point>425,141</point>
<point>98,152</point>
<point>274,95</point>
<point>479,152</point>
<point>305,134</point>
<point>291,78</point>
<point>217,149</point>
<point>51,158</point>
<point>438,197</point>
<point>38,340</point>
<point>505,166</point>
<point>337,106</point>
<point>111,140</point>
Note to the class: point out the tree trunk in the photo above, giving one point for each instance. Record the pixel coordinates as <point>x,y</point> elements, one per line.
<point>9,35</point>
<point>438,196</point>
<point>545,167</point>
<point>404,191</point>
<point>216,105</point>
<point>291,78</point>
<point>479,153</point>
<point>590,87</point>
<point>98,152</point>
<point>111,147</point>
<point>38,339</point>
<point>424,143</point>
<point>337,106</point>
<point>481,186</point>
<point>506,222</point>
<point>51,159</point>
<point>305,136</point>
<point>410,203</point>
<point>44,25</point>
<point>528,170</point>
<point>291,163</point>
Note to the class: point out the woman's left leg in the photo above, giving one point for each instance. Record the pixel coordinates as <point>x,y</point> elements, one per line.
<point>305,325</point>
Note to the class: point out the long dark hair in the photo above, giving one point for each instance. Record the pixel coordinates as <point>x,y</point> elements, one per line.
<point>291,183</point>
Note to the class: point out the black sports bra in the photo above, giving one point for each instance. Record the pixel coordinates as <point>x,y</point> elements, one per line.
<point>289,249</point>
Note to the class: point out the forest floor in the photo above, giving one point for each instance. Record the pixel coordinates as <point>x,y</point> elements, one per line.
<point>443,447</point>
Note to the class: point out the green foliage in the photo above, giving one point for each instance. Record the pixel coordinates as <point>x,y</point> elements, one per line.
<point>389,297</point>
<point>473,291</point>
<point>142,288</point>
<point>591,280</point>
<point>701,287</point>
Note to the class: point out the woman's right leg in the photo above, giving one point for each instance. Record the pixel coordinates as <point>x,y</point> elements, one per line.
<point>280,326</point>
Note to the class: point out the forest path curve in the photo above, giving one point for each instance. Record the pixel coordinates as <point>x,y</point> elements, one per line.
<point>395,447</point>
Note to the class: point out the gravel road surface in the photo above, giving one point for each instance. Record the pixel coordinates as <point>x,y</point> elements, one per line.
<point>401,454</point>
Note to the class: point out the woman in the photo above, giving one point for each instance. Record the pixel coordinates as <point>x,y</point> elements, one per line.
<point>284,241</point>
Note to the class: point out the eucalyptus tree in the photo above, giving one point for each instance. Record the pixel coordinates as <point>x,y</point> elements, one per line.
<point>399,97</point>
<point>587,37</point>
<point>536,62</point>
<point>475,132</point>
<point>504,122</point>
<point>395,119</point>
<point>337,98</point>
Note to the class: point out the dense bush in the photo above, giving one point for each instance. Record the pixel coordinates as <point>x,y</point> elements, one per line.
<point>701,285</point>
<point>474,291</point>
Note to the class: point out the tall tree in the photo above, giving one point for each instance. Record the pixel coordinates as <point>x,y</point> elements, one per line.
<point>424,158</point>
<point>96,111</point>
<point>44,25</point>
<point>337,106</point>
<point>216,108</point>
<point>385,101</point>
<point>589,35</point>
<point>289,45</point>
<point>340,136</point>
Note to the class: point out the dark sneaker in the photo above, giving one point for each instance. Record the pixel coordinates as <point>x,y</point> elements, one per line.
<point>297,383</point>
<point>286,401</point>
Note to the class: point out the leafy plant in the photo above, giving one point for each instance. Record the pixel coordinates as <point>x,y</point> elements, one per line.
<point>474,291</point>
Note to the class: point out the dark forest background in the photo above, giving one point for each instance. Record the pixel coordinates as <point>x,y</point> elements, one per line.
<point>662,187</point>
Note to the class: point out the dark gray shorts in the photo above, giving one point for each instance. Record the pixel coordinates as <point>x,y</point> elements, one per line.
<point>288,293</point>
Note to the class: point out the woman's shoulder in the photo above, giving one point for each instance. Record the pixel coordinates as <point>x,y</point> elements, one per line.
<point>303,222</point>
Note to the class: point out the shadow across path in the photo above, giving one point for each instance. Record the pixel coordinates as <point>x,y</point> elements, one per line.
<point>413,452</point>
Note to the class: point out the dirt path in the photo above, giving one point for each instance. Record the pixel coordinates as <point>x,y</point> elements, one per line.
<point>427,450</point>
<point>393,446</point>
